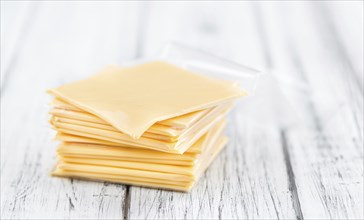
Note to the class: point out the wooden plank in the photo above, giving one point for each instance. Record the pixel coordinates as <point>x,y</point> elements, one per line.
<point>199,26</point>
<point>67,41</point>
<point>265,172</point>
<point>326,152</point>
<point>16,20</point>
<point>243,182</point>
<point>345,22</point>
<point>249,179</point>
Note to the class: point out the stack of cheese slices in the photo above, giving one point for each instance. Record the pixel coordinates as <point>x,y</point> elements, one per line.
<point>152,124</point>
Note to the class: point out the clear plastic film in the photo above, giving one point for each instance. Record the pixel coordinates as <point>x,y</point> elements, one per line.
<point>265,104</point>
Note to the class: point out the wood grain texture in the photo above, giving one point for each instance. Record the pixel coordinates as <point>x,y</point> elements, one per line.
<point>243,182</point>
<point>269,170</point>
<point>46,59</point>
<point>327,153</point>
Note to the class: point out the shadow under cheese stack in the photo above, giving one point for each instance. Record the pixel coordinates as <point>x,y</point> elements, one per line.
<point>153,125</point>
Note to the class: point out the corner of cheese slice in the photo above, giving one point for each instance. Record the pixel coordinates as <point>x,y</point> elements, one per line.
<point>133,98</point>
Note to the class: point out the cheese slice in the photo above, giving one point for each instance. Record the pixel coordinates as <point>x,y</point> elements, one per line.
<point>164,133</point>
<point>132,99</point>
<point>103,151</point>
<point>138,172</point>
<point>146,160</point>
<point>79,139</point>
<point>178,146</point>
<point>146,178</point>
<point>179,122</point>
<point>93,121</point>
<point>151,183</point>
<point>115,156</point>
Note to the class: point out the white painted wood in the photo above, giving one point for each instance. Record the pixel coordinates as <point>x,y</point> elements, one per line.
<point>346,20</point>
<point>66,41</point>
<point>311,171</point>
<point>327,155</point>
<point>249,179</point>
<point>15,17</point>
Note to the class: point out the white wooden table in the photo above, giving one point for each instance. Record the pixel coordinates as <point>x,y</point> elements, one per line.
<point>310,171</point>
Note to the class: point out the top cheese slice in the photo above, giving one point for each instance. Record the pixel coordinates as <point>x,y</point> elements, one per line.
<point>133,98</point>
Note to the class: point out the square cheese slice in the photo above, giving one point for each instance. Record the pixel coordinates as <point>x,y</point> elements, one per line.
<point>132,99</point>
<point>139,166</point>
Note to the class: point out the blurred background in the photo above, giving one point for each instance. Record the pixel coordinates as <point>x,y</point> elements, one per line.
<point>79,36</point>
<point>305,43</point>
<point>313,49</point>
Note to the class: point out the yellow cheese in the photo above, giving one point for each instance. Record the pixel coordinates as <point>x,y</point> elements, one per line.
<point>124,171</point>
<point>145,160</point>
<point>179,122</point>
<point>141,181</point>
<point>135,163</point>
<point>118,152</point>
<point>165,168</point>
<point>167,136</point>
<point>112,156</point>
<point>152,125</point>
<point>178,146</point>
<point>94,121</point>
<point>78,139</point>
<point>122,152</point>
<point>158,132</point>
<point>140,177</point>
<point>60,121</point>
<point>132,99</point>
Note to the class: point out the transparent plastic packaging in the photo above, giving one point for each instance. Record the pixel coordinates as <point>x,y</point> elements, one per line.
<point>265,104</point>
